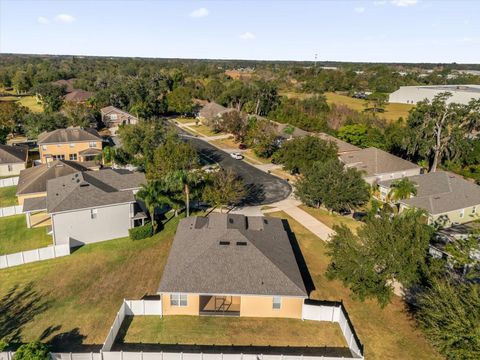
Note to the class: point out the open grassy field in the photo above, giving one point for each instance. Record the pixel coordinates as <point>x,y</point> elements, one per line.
<point>204,330</point>
<point>15,237</point>
<point>332,219</point>
<point>27,101</point>
<point>387,333</point>
<point>8,196</point>
<point>71,301</point>
<point>392,111</point>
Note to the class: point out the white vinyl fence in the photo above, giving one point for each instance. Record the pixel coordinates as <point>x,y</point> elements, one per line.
<point>25,257</point>
<point>11,210</point>
<point>11,181</point>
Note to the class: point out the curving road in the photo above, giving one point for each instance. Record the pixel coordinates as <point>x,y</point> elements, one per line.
<point>262,188</point>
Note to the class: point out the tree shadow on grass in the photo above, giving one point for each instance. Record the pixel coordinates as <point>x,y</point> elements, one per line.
<point>72,341</point>
<point>18,307</point>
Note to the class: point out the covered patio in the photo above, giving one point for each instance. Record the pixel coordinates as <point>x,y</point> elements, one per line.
<point>220,305</point>
<point>35,210</point>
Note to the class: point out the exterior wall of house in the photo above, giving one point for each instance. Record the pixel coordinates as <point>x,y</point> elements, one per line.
<point>460,216</point>
<point>110,222</point>
<point>393,175</point>
<point>66,149</point>
<point>11,169</point>
<point>21,198</point>
<point>192,308</point>
<point>262,306</point>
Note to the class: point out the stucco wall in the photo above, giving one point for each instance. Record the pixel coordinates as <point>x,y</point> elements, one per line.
<point>112,222</point>
<point>454,216</point>
<point>261,306</point>
<point>15,169</point>
<point>192,308</point>
<point>392,175</point>
<point>65,149</point>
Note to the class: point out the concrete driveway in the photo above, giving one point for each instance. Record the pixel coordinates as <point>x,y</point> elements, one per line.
<point>262,187</point>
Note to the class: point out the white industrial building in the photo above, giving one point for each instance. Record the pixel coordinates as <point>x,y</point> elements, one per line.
<point>461,94</point>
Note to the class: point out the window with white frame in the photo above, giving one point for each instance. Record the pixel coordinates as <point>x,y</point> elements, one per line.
<point>93,213</point>
<point>58,157</point>
<point>44,147</point>
<point>462,213</point>
<point>73,157</point>
<point>113,116</point>
<point>71,145</point>
<point>178,300</point>
<point>92,144</point>
<point>277,303</point>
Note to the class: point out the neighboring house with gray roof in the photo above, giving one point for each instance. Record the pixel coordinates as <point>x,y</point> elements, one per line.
<point>448,198</point>
<point>232,265</point>
<point>92,206</point>
<point>378,165</point>
<point>13,159</point>
<point>113,117</point>
<point>212,111</point>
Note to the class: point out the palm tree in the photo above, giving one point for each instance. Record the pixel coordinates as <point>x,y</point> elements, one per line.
<point>183,182</point>
<point>402,189</point>
<point>151,197</point>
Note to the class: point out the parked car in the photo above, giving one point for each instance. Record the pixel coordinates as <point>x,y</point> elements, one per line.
<point>236,156</point>
<point>242,146</point>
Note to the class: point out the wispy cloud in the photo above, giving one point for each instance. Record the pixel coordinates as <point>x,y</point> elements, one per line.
<point>404,3</point>
<point>379,2</point>
<point>43,20</point>
<point>359,10</point>
<point>64,18</point>
<point>199,13</point>
<point>248,36</point>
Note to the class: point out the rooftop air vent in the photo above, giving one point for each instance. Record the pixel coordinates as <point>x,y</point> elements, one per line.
<point>224,242</point>
<point>230,220</point>
<point>241,243</point>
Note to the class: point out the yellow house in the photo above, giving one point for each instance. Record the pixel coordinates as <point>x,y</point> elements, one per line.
<point>73,143</point>
<point>232,265</point>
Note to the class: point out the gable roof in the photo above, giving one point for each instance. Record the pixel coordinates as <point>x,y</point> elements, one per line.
<point>232,254</point>
<point>88,189</point>
<point>78,95</point>
<point>374,161</point>
<point>13,154</point>
<point>34,179</point>
<point>112,109</point>
<point>67,83</point>
<point>212,110</point>
<point>342,146</point>
<point>440,192</point>
<point>70,134</point>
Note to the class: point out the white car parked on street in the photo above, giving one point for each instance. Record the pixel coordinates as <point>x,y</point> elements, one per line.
<point>236,156</point>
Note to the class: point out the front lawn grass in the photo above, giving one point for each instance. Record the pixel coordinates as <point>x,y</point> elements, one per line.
<point>204,130</point>
<point>72,301</point>
<point>388,333</point>
<point>8,196</point>
<point>208,330</point>
<point>331,219</point>
<point>183,120</point>
<point>15,237</point>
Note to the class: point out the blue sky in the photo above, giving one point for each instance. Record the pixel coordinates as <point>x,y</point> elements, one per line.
<point>389,30</point>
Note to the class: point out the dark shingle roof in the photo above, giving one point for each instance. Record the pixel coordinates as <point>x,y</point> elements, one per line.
<point>78,95</point>
<point>34,179</point>
<point>212,110</point>
<point>35,204</point>
<point>89,189</point>
<point>440,192</point>
<point>374,161</point>
<point>13,154</point>
<point>258,259</point>
<point>70,134</point>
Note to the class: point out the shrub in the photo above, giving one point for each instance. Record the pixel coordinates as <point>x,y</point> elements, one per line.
<point>3,345</point>
<point>32,351</point>
<point>141,232</point>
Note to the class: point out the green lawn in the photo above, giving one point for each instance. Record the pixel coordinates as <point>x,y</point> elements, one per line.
<point>15,236</point>
<point>8,196</point>
<point>204,130</point>
<point>182,120</point>
<point>388,333</point>
<point>27,101</point>
<point>331,219</point>
<point>205,330</point>
<point>74,299</point>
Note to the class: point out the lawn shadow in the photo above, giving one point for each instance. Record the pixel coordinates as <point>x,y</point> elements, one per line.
<point>71,341</point>
<point>302,264</point>
<point>18,307</point>
<point>254,195</point>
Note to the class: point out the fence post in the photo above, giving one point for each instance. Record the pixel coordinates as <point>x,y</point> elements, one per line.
<point>38,254</point>
<point>23,258</point>
<point>143,305</point>
<point>70,356</point>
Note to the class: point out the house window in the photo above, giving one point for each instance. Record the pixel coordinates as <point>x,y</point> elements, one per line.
<point>113,116</point>
<point>10,168</point>
<point>44,147</point>
<point>474,210</point>
<point>462,213</point>
<point>92,144</point>
<point>73,157</point>
<point>58,157</point>
<point>58,145</point>
<point>71,145</point>
<point>178,300</point>
<point>277,303</point>
<point>93,213</point>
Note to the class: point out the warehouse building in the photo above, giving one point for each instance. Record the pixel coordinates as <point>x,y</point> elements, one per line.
<point>461,94</point>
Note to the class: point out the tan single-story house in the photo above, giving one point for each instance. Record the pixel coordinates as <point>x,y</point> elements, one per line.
<point>378,165</point>
<point>447,198</point>
<point>72,143</point>
<point>212,111</point>
<point>113,117</point>
<point>13,159</point>
<point>232,265</point>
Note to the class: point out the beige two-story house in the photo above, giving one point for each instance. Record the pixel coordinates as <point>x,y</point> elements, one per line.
<point>72,143</point>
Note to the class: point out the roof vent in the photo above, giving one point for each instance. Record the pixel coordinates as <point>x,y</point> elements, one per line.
<point>241,243</point>
<point>224,242</point>
<point>230,220</point>
<point>436,198</point>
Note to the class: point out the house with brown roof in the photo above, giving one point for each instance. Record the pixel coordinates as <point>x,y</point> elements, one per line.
<point>212,111</point>
<point>113,117</point>
<point>13,159</point>
<point>235,265</point>
<point>72,143</point>
<point>378,165</point>
<point>447,198</point>
<point>73,94</point>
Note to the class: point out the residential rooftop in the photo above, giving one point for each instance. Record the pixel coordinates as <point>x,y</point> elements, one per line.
<point>70,134</point>
<point>232,254</point>
<point>13,154</point>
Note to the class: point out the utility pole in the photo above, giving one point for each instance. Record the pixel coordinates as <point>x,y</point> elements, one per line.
<point>315,63</point>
